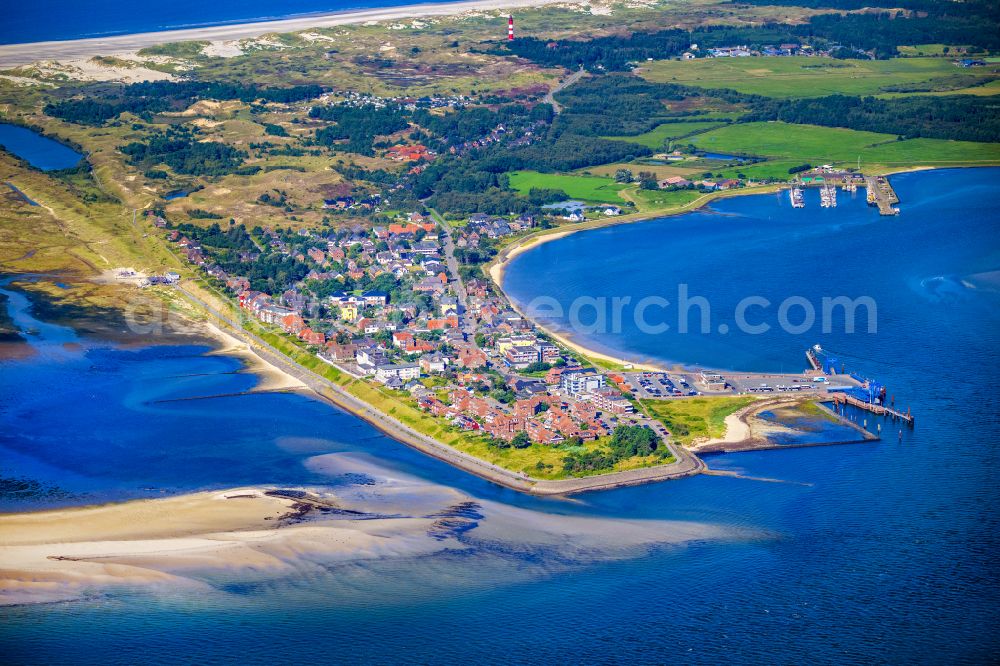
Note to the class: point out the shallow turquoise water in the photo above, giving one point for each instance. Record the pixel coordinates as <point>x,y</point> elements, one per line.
<point>880,553</point>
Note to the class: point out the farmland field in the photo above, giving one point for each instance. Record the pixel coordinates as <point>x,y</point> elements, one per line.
<point>805,76</point>
<point>587,188</point>
<point>811,143</point>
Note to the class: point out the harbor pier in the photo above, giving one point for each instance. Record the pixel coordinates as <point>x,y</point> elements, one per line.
<point>881,194</point>
<point>840,399</point>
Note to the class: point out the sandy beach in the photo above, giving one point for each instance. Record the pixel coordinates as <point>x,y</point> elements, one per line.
<point>272,378</point>
<point>13,55</point>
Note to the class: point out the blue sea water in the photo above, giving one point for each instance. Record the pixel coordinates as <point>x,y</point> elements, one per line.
<point>39,151</point>
<point>873,553</point>
<point>53,20</point>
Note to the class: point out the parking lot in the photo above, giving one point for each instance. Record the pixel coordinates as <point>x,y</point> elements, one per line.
<point>664,385</point>
<point>660,385</point>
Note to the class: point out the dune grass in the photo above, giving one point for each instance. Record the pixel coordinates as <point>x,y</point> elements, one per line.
<point>693,418</point>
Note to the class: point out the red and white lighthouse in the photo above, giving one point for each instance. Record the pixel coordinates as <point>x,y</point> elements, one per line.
<point>510,28</point>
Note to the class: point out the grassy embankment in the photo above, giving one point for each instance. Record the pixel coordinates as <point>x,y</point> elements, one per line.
<point>816,77</point>
<point>694,418</point>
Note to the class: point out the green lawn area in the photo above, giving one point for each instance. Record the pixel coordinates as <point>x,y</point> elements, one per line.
<point>691,418</point>
<point>816,145</point>
<point>803,76</point>
<point>647,199</point>
<point>658,136</point>
<point>586,188</point>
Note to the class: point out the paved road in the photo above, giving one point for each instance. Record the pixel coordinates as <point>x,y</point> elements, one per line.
<point>468,326</point>
<point>567,82</point>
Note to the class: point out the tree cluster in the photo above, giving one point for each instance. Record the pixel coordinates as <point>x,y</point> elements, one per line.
<point>358,125</point>
<point>626,442</point>
<point>185,155</point>
<point>957,117</point>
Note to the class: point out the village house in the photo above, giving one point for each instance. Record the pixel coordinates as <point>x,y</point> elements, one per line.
<point>470,357</point>
<point>673,181</point>
<point>348,312</point>
<point>443,323</point>
<point>402,153</point>
<point>312,337</point>
<point>520,356</point>
<point>610,400</point>
<point>540,432</point>
<point>433,363</point>
<point>504,426</point>
<point>448,305</point>
<point>341,351</point>
<point>400,371</point>
<point>292,323</point>
<point>410,229</point>
<point>273,314</point>
<point>368,357</point>
<point>579,382</point>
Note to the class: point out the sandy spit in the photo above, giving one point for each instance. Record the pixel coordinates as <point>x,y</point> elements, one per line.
<point>61,554</point>
<point>165,545</point>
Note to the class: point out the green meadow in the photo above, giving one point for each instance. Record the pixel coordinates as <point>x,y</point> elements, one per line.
<point>807,76</point>
<point>816,145</point>
<point>586,188</point>
<point>657,199</point>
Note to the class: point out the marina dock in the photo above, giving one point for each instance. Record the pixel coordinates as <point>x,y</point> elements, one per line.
<point>881,194</point>
<point>873,407</point>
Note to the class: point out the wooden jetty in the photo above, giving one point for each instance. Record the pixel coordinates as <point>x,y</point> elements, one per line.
<point>881,194</point>
<point>874,408</point>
